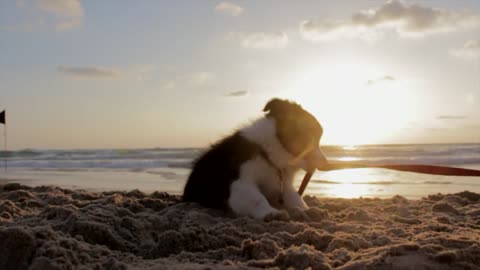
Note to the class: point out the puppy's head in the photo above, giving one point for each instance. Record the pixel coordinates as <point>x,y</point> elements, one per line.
<point>299,133</point>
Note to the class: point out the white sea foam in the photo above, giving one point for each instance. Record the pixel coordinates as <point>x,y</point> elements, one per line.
<point>451,154</point>
<point>168,168</point>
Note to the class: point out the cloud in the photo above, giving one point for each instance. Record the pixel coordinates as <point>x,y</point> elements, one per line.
<point>324,30</point>
<point>229,8</point>
<point>407,20</point>
<point>470,50</point>
<point>66,15</point>
<point>90,72</point>
<point>386,78</point>
<point>265,41</point>
<point>69,13</point>
<point>62,8</point>
<point>240,93</point>
<point>98,72</point>
<point>261,40</point>
<point>451,117</point>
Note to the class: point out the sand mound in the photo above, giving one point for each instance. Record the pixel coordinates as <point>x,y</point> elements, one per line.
<point>54,228</point>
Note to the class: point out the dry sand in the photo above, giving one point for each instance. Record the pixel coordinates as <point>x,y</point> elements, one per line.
<point>54,228</point>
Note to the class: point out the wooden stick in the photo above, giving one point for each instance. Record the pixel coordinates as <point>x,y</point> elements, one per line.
<point>305,181</point>
<point>426,169</point>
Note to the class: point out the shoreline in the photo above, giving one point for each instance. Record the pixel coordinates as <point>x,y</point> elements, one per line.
<point>48,227</point>
<point>349,183</point>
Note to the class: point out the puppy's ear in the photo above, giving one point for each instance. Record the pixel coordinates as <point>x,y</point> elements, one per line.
<point>278,107</point>
<point>274,106</point>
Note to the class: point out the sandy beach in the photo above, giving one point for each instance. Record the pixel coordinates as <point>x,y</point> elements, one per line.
<point>47,227</point>
<point>110,111</point>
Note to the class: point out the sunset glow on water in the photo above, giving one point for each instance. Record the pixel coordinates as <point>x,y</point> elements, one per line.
<point>168,169</point>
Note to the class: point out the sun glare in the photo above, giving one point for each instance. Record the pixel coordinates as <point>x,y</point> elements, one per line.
<point>349,159</point>
<point>349,190</point>
<point>350,147</point>
<point>356,103</point>
<point>350,183</point>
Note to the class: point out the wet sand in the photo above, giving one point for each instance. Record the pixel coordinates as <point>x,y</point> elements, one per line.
<point>54,228</point>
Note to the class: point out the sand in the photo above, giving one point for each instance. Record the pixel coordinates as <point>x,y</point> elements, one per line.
<point>53,228</point>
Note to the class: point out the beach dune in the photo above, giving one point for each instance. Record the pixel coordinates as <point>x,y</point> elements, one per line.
<point>48,227</point>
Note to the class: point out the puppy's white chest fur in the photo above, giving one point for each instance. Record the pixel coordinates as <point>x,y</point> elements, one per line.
<point>264,182</point>
<point>271,181</point>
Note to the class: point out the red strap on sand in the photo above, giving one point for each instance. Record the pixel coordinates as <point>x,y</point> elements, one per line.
<point>427,169</point>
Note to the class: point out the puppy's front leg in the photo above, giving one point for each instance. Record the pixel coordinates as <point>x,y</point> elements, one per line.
<point>247,200</point>
<point>292,199</point>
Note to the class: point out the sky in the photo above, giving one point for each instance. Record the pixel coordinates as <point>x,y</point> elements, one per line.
<point>140,74</point>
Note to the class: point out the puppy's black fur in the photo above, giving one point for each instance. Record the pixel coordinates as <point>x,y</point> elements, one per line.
<point>294,133</point>
<point>214,171</point>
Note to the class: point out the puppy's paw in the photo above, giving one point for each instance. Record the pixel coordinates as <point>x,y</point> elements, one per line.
<point>298,214</point>
<point>277,215</point>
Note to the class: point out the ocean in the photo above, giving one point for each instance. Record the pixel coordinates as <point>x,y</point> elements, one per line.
<point>166,169</point>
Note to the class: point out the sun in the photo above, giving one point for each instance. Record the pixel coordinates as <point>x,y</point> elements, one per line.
<point>356,103</point>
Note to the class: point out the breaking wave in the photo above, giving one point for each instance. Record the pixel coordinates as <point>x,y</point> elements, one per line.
<point>140,159</point>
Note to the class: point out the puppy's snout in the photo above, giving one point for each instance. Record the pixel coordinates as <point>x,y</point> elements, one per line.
<point>316,159</point>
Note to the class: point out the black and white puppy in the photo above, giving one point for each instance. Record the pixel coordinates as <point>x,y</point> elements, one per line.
<point>251,171</point>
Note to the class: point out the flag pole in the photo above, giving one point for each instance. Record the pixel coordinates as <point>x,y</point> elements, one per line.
<point>5,142</point>
<point>3,120</point>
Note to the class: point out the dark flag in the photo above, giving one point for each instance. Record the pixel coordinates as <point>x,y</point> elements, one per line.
<point>3,121</point>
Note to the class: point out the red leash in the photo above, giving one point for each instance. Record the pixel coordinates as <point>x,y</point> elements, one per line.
<point>426,169</point>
